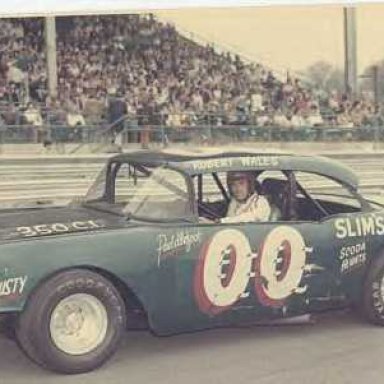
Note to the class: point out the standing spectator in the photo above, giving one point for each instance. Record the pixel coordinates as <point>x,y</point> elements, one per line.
<point>32,117</point>
<point>117,109</point>
<point>76,121</point>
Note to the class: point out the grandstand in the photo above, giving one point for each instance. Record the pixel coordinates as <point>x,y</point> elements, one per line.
<point>135,73</point>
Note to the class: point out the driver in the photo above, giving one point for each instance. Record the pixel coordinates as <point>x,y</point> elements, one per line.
<point>246,204</point>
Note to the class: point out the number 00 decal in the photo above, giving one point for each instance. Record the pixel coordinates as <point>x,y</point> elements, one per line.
<point>226,265</point>
<point>223,271</point>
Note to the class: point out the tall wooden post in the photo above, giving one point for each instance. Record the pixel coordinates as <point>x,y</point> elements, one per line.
<point>350,51</point>
<point>50,44</point>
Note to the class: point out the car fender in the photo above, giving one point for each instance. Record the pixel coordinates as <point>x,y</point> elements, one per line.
<point>25,265</point>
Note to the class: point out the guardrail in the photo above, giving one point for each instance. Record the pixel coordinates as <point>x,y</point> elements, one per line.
<point>165,134</point>
<point>132,130</point>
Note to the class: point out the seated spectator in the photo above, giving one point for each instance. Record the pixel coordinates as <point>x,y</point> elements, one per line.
<point>288,88</point>
<point>357,114</point>
<point>256,103</point>
<point>344,120</point>
<point>11,115</point>
<point>281,121</point>
<point>314,118</point>
<point>14,74</point>
<point>32,115</point>
<point>75,118</point>
<point>263,120</point>
<point>174,120</point>
<point>333,102</point>
<point>94,109</point>
<point>297,120</point>
<point>2,124</point>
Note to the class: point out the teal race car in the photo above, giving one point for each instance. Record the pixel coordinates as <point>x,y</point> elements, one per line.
<point>146,248</point>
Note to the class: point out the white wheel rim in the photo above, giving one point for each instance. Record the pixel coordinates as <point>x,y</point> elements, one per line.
<point>78,324</point>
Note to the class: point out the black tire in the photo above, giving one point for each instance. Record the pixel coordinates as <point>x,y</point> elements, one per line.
<point>372,303</point>
<point>33,324</point>
<point>7,326</point>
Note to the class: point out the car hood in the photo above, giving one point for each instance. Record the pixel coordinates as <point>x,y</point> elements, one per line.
<point>30,223</point>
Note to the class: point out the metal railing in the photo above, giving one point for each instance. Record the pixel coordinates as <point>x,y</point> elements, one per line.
<point>198,128</point>
<point>131,132</point>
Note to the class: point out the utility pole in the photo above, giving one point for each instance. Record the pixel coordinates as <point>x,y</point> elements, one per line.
<point>350,51</point>
<point>375,78</point>
<point>50,44</point>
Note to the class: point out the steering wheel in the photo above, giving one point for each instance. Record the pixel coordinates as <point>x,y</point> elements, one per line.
<point>211,213</point>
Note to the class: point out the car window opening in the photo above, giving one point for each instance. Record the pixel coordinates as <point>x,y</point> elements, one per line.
<point>319,197</point>
<point>142,191</point>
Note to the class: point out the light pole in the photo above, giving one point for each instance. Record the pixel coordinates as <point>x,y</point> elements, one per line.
<point>350,51</point>
<point>374,76</point>
<point>50,43</point>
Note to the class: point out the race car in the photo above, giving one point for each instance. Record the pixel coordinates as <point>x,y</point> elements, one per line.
<point>147,247</point>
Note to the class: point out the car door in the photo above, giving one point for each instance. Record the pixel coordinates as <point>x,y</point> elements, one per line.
<point>252,271</point>
<point>326,208</point>
<point>242,272</point>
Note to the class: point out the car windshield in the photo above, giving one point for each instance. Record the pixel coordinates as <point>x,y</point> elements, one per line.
<point>153,193</point>
<point>97,190</point>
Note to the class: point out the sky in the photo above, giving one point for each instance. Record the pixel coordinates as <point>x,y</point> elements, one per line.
<point>20,7</point>
<point>286,37</point>
<point>279,36</point>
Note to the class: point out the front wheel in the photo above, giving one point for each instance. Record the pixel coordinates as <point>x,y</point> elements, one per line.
<point>372,304</point>
<point>73,323</point>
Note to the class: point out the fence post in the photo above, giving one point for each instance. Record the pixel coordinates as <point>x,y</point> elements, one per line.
<point>376,137</point>
<point>1,138</point>
<point>210,127</point>
<point>144,136</point>
<point>164,140</point>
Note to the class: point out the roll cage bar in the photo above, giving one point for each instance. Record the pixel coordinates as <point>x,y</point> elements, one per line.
<point>290,203</point>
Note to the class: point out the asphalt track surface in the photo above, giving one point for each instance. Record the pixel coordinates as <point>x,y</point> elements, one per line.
<point>337,348</point>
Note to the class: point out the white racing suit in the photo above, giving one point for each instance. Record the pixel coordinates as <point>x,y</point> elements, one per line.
<point>255,208</point>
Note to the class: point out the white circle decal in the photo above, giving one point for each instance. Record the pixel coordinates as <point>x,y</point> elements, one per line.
<point>280,265</point>
<point>223,271</point>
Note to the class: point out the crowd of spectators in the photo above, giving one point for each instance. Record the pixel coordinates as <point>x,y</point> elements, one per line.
<point>157,75</point>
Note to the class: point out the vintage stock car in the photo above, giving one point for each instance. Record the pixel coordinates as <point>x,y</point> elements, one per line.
<point>146,247</point>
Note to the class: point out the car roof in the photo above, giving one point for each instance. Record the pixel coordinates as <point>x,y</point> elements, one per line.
<point>206,160</point>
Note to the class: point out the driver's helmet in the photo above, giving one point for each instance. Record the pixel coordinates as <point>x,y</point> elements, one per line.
<point>238,175</point>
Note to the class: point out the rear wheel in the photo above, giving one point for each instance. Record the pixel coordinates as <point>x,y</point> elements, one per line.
<point>73,322</point>
<point>372,304</point>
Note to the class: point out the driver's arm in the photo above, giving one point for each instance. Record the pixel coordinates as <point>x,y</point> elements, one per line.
<point>258,211</point>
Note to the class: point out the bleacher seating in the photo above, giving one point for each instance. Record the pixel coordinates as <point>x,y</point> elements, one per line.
<point>158,77</point>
